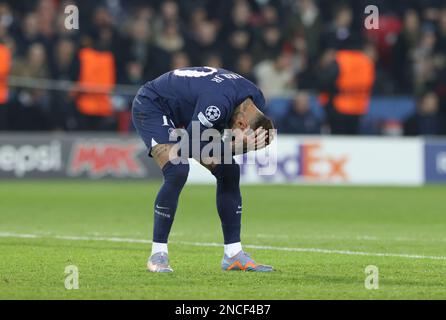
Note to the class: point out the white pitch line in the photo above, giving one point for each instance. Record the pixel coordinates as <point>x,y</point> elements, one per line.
<point>214,244</point>
<point>340,237</point>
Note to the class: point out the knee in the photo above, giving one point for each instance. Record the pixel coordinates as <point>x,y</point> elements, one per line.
<point>176,173</point>
<point>227,172</point>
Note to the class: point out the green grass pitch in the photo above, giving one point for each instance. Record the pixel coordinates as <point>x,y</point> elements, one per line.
<point>332,234</point>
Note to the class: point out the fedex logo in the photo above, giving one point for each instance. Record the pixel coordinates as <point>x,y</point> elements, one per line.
<point>307,161</point>
<point>314,164</point>
<point>98,159</point>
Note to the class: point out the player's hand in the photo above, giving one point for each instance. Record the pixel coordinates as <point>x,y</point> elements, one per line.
<point>256,140</point>
<point>249,140</point>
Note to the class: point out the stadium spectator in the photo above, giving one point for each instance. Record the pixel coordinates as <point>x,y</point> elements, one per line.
<point>6,56</point>
<point>276,77</point>
<point>244,66</point>
<point>46,13</point>
<point>240,18</point>
<point>441,44</point>
<point>170,38</point>
<point>423,60</point>
<point>213,60</point>
<point>340,34</point>
<point>239,42</point>
<point>277,44</point>
<point>237,33</point>
<point>198,15</point>
<point>169,15</point>
<point>134,73</point>
<point>102,18</point>
<point>403,51</point>
<point>63,66</point>
<point>301,62</point>
<point>426,120</point>
<point>96,79</point>
<point>28,34</point>
<point>269,45</point>
<point>179,60</point>
<point>5,66</point>
<point>269,15</point>
<point>31,105</point>
<point>299,118</point>
<point>204,42</point>
<point>307,24</point>
<point>6,17</point>
<point>137,43</point>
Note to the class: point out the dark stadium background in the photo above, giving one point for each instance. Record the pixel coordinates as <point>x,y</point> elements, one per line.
<point>281,45</point>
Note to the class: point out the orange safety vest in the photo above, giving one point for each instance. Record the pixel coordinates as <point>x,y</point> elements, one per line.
<point>97,71</point>
<point>5,67</point>
<point>354,83</point>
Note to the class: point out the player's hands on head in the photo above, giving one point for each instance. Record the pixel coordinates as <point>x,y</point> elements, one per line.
<point>250,140</point>
<point>256,140</point>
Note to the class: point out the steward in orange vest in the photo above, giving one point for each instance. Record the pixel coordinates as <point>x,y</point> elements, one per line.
<point>346,84</point>
<point>5,67</point>
<point>96,80</point>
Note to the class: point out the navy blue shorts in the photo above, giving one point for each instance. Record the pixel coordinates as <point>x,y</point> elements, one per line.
<point>151,122</point>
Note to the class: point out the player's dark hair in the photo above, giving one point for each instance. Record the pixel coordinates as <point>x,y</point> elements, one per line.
<point>266,123</point>
<point>259,121</point>
<point>262,121</point>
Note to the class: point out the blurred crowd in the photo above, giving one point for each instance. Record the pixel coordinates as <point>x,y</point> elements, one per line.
<point>282,45</point>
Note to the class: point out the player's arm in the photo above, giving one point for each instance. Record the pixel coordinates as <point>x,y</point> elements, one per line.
<point>211,113</point>
<point>248,140</point>
<point>250,128</point>
<point>214,113</point>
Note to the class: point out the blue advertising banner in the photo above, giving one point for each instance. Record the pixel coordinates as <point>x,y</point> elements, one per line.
<point>435,161</point>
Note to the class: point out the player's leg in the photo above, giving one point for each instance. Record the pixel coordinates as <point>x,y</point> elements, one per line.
<point>165,206</point>
<point>229,204</point>
<point>166,202</point>
<point>229,207</point>
<point>154,128</point>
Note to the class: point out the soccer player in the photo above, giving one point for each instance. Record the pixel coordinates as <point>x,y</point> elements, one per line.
<point>213,99</point>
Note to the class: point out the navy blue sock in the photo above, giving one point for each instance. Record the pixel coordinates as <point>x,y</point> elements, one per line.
<point>229,200</point>
<point>166,202</point>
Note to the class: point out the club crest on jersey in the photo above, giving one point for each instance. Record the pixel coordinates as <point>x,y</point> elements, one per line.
<point>212,113</point>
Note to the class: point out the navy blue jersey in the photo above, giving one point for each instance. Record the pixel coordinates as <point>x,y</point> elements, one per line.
<point>204,94</point>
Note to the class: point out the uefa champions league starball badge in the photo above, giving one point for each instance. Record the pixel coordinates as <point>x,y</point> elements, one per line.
<point>212,113</point>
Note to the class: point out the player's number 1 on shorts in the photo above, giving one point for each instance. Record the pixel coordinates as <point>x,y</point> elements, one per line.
<point>166,122</point>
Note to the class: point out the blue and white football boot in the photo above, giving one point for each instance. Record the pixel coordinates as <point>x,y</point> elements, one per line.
<point>159,262</point>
